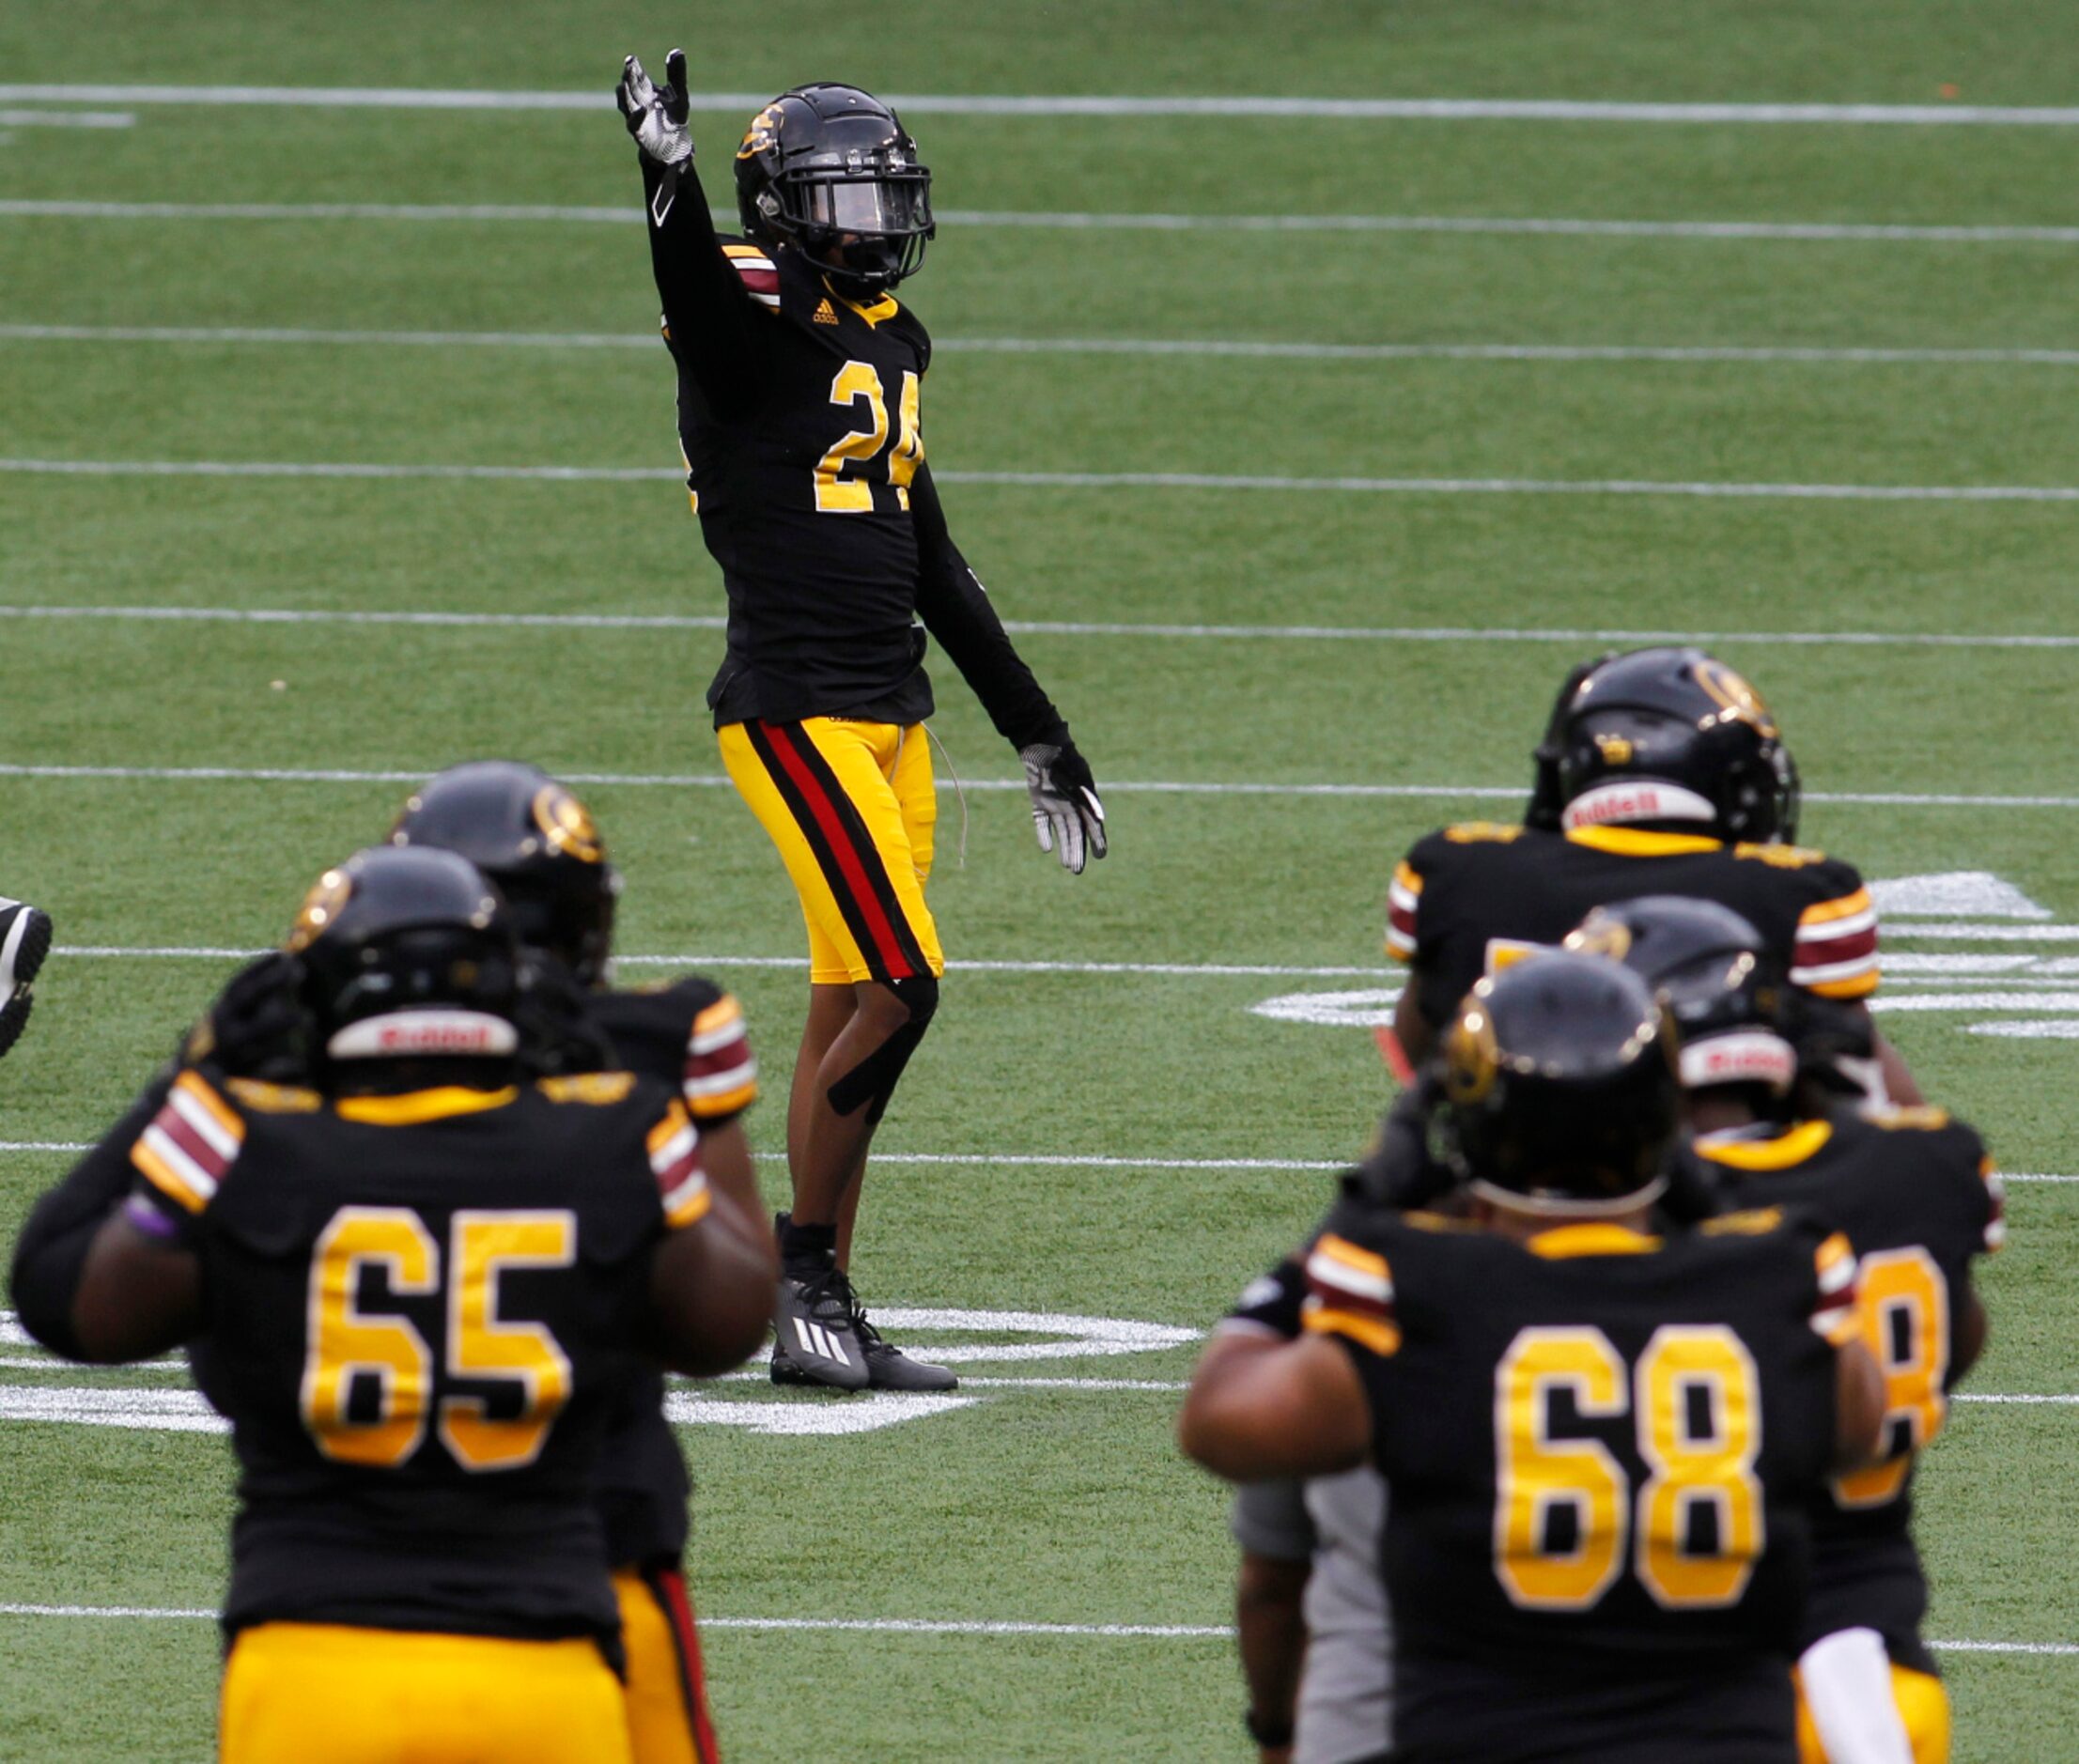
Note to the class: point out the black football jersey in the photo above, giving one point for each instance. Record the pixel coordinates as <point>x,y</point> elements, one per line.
<point>689,1035</point>
<point>1917,1197</point>
<point>1603,1450</point>
<point>1467,900</point>
<point>420,1310</point>
<point>800,419</point>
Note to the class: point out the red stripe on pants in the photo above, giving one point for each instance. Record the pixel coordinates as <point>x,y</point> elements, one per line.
<point>827,817</point>
<point>670,1586</point>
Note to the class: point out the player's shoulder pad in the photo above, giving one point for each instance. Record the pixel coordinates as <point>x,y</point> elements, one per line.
<point>755,268</point>
<point>1954,1151</point>
<point>257,1097</point>
<point>588,1090</point>
<point>188,1150</point>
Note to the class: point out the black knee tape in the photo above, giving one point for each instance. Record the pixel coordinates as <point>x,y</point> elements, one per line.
<point>872,1082</point>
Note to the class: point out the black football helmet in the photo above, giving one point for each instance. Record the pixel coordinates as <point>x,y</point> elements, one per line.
<point>408,955</point>
<point>1731,1004</point>
<point>1669,738</point>
<point>830,171</point>
<point>538,842</point>
<point>1559,1089</point>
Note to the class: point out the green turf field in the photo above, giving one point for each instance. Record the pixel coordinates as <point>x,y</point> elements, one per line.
<point>1112,1017</point>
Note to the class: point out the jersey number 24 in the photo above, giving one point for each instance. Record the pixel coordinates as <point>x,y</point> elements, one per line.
<point>859,382</point>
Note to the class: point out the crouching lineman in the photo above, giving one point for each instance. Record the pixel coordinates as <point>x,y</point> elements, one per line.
<point>541,845</point>
<point>1918,1199</point>
<point>1662,771</point>
<point>1600,1444</point>
<point>416,1289</point>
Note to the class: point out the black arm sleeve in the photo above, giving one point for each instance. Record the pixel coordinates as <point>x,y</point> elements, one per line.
<point>712,323</point>
<point>957,612</point>
<point>50,1253</point>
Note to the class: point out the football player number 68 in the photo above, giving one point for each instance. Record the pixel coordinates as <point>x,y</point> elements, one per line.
<point>348,1345</point>
<point>1564,1509</point>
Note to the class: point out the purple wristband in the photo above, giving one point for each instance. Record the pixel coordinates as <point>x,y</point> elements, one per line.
<point>149,1220</point>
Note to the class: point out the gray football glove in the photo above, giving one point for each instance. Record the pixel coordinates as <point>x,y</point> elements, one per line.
<point>1067,814</point>
<point>655,116</point>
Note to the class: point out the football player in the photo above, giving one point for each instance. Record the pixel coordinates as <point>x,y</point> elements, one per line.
<point>25,941</point>
<point>1310,1617</point>
<point>800,380</point>
<point>541,847</point>
<point>1600,1444</point>
<point>1918,1199</point>
<point>1662,772</point>
<point>416,1291</point>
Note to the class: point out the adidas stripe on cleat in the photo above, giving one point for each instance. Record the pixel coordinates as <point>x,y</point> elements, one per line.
<point>813,1340</point>
<point>25,941</point>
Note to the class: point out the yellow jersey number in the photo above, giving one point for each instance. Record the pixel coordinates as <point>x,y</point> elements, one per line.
<point>1695,1397</point>
<point>1905,1325</point>
<point>859,382</point>
<point>347,1342</point>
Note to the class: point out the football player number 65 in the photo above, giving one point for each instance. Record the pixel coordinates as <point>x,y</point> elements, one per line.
<point>1565,1511</point>
<point>348,1345</point>
<point>856,382</point>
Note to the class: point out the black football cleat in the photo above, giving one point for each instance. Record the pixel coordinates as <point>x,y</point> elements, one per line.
<point>25,941</point>
<point>813,1340</point>
<point>888,1368</point>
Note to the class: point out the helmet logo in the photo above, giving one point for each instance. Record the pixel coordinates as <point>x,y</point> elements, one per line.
<point>319,909</point>
<point>1730,692</point>
<point>764,133</point>
<point>566,824</point>
<point>1601,933</point>
<point>1472,1056</point>
<point>1616,750</point>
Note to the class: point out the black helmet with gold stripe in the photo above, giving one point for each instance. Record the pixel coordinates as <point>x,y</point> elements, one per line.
<point>1560,1089</point>
<point>538,842</point>
<point>1672,739</point>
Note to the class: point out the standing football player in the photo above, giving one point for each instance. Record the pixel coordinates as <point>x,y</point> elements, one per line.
<point>1919,1200</point>
<point>799,381</point>
<point>1662,772</point>
<point>1601,1443</point>
<point>415,1290</point>
<point>25,941</point>
<point>539,843</point>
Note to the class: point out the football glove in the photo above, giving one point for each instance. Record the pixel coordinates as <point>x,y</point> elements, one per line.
<point>655,116</point>
<point>1067,814</point>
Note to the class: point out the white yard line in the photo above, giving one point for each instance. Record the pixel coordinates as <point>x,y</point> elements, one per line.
<point>919,1626</point>
<point>1076,628</point>
<point>1815,232</point>
<point>66,118</point>
<point>1190,347</point>
<point>707,781</point>
<point>1084,481</point>
<point>1213,106</point>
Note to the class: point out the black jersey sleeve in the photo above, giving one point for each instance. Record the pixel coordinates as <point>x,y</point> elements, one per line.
<point>690,1034</point>
<point>957,611</point>
<point>712,320</point>
<point>51,1252</point>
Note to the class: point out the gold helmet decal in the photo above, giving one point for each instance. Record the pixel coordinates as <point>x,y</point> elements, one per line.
<point>763,133</point>
<point>320,908</point>
<point>1472,1056</point>
<point>566,824</point>
<point>1730,692</point>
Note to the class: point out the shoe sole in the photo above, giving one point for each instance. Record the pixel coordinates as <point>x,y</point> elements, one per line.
<point>21,959</point>
<point>794,1373</point>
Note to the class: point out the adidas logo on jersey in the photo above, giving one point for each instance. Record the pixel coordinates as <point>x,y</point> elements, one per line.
<point>825,313</point>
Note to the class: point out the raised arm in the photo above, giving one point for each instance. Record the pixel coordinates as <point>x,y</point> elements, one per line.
<point>956,610</point>
<point>712,320</point>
